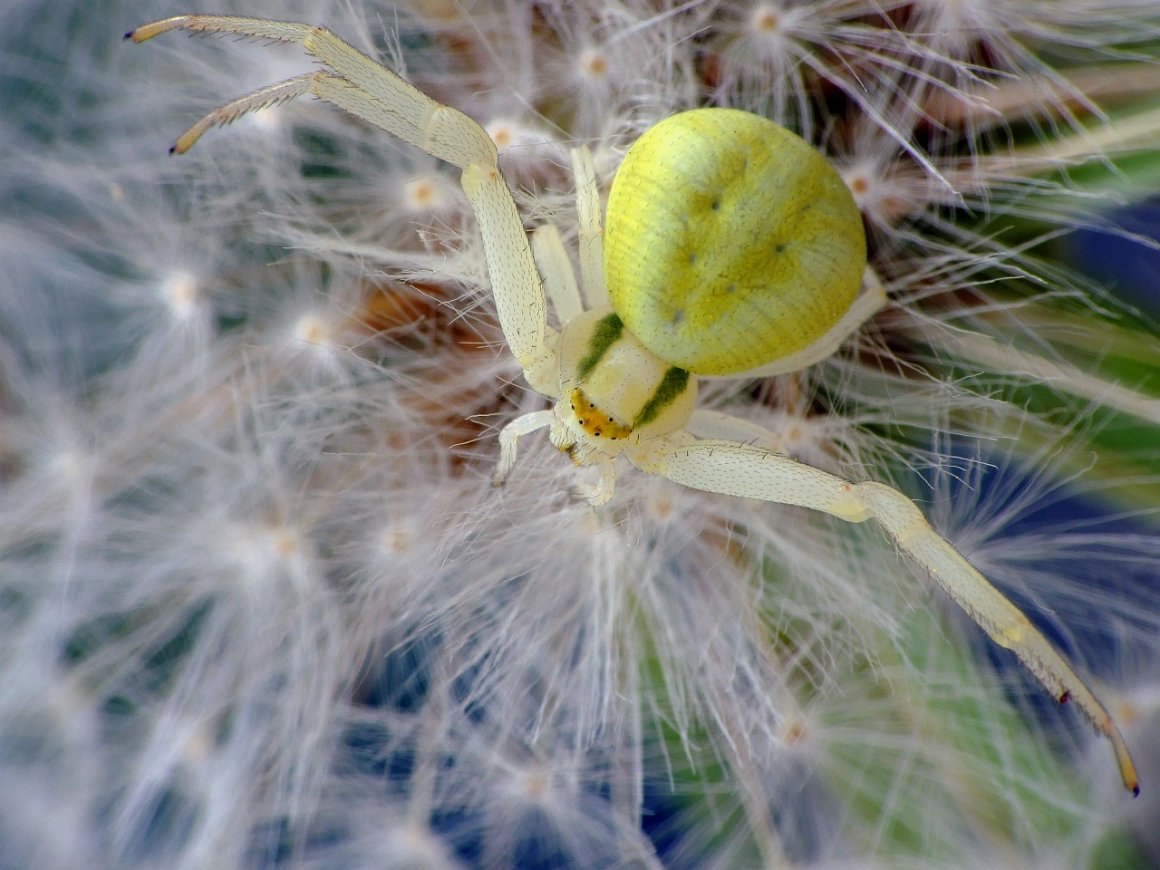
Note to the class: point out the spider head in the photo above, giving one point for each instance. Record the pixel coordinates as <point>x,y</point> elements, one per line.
<point>614,390</point>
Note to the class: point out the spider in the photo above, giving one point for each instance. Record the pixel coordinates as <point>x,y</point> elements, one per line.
<point>730,247</point>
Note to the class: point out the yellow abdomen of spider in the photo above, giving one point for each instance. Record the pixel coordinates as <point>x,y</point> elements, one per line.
<point>729,242</point>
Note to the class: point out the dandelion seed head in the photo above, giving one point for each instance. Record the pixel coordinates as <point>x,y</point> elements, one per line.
<point>396,540</point>
<point>504,133</point>
<point>313,330</point>
<point>757,41</point>
<point>70,468</point>
<point>531,785</point>
<point>766,19</point>
<point>198,747</point>
<point>263,554</point>
<point>425,194</point>
<point>862,185</point>
<point>316,338</point>
<point>593,65</point>
<point>417,844</point>
<point>267,120</point>
<point>182,295</point>
<point>514,138</point>
<point>795,732</point>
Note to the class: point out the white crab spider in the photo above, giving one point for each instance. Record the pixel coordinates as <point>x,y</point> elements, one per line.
<point>731,247</point>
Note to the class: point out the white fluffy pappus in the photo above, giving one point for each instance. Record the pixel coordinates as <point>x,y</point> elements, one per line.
<point>260,605</point>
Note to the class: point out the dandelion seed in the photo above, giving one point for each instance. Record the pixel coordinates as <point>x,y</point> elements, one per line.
<point>593,64</point>
<point>425,194</point>
<point>182,295</point>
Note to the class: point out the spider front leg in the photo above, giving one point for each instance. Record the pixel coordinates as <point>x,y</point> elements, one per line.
<point>596,494</point>
<point>365,88</point>
<point>509,437</point>
<point>743,470</point>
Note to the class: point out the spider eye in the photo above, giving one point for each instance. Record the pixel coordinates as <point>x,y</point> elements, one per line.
<point>729,242</point>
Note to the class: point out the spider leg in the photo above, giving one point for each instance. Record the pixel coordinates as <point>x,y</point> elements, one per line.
<point>747,471</point>
<point>509,437</point>
<point>591,233</point>
<point>716,424</point>
<point>556,269</point>
<point>402,109</point>
<point>369,90</point>
<point>599,493</point>
<point>263,98</point>
<point>595,494</point>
